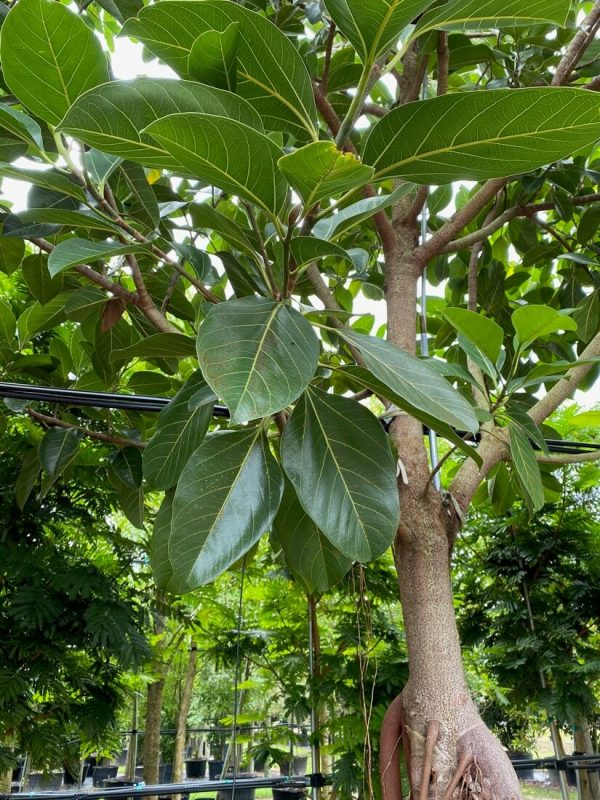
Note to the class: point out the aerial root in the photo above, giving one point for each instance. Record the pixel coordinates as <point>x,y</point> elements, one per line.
<point>433,734</point>
<point>460,775</point>
<point>392,731</point>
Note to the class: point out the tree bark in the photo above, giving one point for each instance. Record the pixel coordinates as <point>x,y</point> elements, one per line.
<point>184,709</point>
<point>589,781</point>
<point>151,749</point>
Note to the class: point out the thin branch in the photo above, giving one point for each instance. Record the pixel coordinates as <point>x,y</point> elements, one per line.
<point>443,63</point>
<point>55,422</point>
<point>577,46</point>
<point>327,58</point>
<point>146,304</point>
<point>474,264</point>
<point>574,458</point>
<point>270,278</point>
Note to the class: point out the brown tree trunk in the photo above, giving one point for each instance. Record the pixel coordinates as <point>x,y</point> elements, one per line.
<point>5,781</point>
<point>182,715</point>
<point>589,782</point>
<point>151,749</point>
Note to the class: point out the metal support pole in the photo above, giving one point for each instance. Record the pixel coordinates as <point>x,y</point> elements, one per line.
<point>314,714</point>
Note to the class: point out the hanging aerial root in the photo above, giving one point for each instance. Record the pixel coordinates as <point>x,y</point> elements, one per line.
<point>463,766</point>
<point>433,734</point>
<point>389,750</point>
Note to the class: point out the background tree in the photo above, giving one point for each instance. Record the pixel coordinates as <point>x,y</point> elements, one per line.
<point>305,123</point>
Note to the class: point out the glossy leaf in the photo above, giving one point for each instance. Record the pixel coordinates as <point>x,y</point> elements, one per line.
<point>71,252</point>
<point>516,130</point>
<point>319,171</point>
<point>142,204</point>
<point>363,379</point>
<point>213,58</point>
<point>226,498</point>
<point>113,117</point>
<point>526,467</point>
<point>352,215</point>
<point>337,456</point>
<point>308,554</point>
<point>159,548</point>
<point>47,179</point>
<point>158,345</point>
<point>35,274</point>
<point>225,153</point>
<point>257,355</point>
<point>57,216</point>
<point>11,254</point>
<point>127,464</point>
<point>179,431</point>
<point>21,126</point>
<point>481,15</point>
<point>374,26</point>
<point>305,249</point>
<point>57,448</point>
<point>532,321</point>
<point>411,378</point>
<point>8,325</point>
<point>49,57</point>
<point>486,334</point>
<point>271,73</point>
<point>27,477</point>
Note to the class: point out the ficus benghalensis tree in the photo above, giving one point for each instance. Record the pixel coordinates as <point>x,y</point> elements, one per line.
<point>213,235</point>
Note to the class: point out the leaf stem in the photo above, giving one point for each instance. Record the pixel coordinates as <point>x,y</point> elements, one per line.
<point>369,75</point>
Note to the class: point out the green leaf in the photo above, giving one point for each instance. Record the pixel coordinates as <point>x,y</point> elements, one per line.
<point>27,477</point>
<point>516,131</point>
<point>113,117</point>
<point>305,249</point>
<point>213,58</point>
<point>8,325</point>
<point>587,419</point>
<point>179,431</point>
<point>11,254</point>
<point>486,334</point>
<point>205,216</point>
<point>319,171</point>
<point>271,74</point>
<point>59,216</point>
<point>71,252</point>
<point>258,355</point>
<point>532,321</point>
<point>49,57</point>
<point>587,315</point>
<point>412,379</point>
<point>365,380</point>
<point>341,221</point>
<point>47,179</point>
<point>41,285</point>
<point>57,448</point>
<point>142,205</point>
<point>337,456</point>
<point>308,554</point>
<point>38,317</point>
<point>475,15</point>
<point>127,465</point>
<point>374,26</point>
<point>159,548</point>
<point>225,153</point>
<point>526,468</point>
<point>131,500</point>
<point>158,345</point>
<point>226,498</point>
<point>21,126</point>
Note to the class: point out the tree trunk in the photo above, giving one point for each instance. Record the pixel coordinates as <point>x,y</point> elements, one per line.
<point>589,781</point>
<point>151,749</point>
<point>184,709</point>
<point>5,781</point>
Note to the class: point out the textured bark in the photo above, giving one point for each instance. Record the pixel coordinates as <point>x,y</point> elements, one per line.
<point>151,749</point>
<point>182,715</point>
<point>5,780</point>
<point>589,781</point>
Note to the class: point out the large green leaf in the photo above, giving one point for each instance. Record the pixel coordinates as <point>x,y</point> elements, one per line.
<point>308,554</point>
<point>271,74</point>
<point>226,498</point>
<point>526,467</point>
<point>341,221</point>
<point>27,477</point>
<point>213,57</point>
<point>411,378</point>
<point>258,355</point>
<point>41,284</point>
<point>480,135</point>
<point>319,171</point>
<point>8,325</point>
<point>11,254</point>
<point>363,379</point>
<point>305,249</point>
<point>158,345</point>
<point>49,57</point>
<point>113,117</point>
<point>227,154</point>
<point>179,431</point>
<point>57,216</point>
<point>336,454</point>
<point>532,321</point>
<point>71,252</point>
<point>21,126</point>
<point>142,204</point>
<point>159,547</point>
<point>47,179</point>
<point>481,15</point>
<point>374,26</point>
<point>57,448</point>
<point>486,334</point>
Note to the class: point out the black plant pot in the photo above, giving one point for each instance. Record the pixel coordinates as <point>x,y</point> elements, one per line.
<point>17,773</point>
<point>298,765</point>
<point>47,783</point>
<point>241,792</point>
<point>195,767</point>
<point>288,794</point>
<point>215,767</point>
<point>521,755</point>
<point>165,773</point>
<point>118,783</point>
<point>72,780</point>
<point>102,774</point>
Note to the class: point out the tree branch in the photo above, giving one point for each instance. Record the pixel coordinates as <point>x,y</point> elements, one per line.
<point>443,63</point>
<point>567,458</point>
<point>55,422</point>
<point>146,304</point>
<point>577,46</point>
